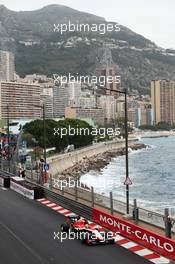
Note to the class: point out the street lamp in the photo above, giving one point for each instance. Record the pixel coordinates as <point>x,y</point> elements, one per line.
<point>127,179</point>
<point>8,136</point>
<point>35,143</point>
<point>44,137</point>
<point>126,150</point>
<point>44,130</point>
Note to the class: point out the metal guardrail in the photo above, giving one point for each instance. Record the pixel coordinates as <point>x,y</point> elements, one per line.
<point>154,218</point>
<point>81,202</point>
<point>6,173</point>
<point>147,216</point>
<point>69,204</point>
<point>66,202</point>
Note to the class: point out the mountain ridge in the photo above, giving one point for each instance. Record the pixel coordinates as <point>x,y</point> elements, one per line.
<point>38,49</point>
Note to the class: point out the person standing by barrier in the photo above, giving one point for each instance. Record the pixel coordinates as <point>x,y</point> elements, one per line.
<point>23,173</point>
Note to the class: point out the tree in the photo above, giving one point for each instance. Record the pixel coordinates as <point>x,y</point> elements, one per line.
<point>80,138</point>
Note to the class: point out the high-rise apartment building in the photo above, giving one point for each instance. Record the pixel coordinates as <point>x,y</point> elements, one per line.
<point>47,100</point>
<point>7,66</point>
<point>163,101</point>
<point>64,95</point>
<point>22,99</point>
<point>96,114</point>
<point>143,116</point>
<point>74,90</point>
<point>60,100</point>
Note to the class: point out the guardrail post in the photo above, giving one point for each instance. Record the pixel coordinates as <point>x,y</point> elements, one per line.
<point>135,212</point>
<point>166,214</point>
<point>62,190</point>
<point>111,203</point>
<point>14,168</point>
<point>168,223</point>
<point>9,166</point>
<point>37,176</point>
<point>76,190</point>
<point>92,196</point>
<point>31,174</point>
<point>50,182</point>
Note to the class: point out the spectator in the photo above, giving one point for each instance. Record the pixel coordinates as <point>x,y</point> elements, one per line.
<point>23,174</point>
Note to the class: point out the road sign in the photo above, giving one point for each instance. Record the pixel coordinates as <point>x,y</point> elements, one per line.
<point>127,181</point>
<point>46,167</point>
<point>29,159</point>
<point>22,152</point>
<point>24,144</point>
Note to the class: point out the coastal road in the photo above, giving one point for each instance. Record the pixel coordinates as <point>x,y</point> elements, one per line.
<point>27,236</point>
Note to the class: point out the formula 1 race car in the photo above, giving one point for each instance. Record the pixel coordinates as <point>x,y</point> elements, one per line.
<point>89,233</point>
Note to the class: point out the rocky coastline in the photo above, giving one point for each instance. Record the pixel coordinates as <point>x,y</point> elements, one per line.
<point>97,162</point>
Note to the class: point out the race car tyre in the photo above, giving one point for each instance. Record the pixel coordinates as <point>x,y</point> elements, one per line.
<point>112,241</point>
<point>86,241</point>
<point>65,228</point>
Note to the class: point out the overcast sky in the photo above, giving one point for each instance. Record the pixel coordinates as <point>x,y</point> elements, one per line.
<point>154,19</point>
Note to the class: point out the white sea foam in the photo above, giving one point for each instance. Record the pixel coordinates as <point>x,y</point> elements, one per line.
<point>152,173</point>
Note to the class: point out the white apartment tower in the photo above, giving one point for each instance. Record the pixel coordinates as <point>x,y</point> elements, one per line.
<point>7,66</point>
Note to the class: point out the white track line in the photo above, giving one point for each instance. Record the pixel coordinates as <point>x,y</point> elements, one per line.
<point>51,205</point>
<point>68,214</point>
<point>118,238</point>
<point>128,245</point>
<point>161,260</point>
<point>40,200</point>
<point>144,252</point>
<point>63,211</point>
<point>57,207</point>
<point>45,202</point>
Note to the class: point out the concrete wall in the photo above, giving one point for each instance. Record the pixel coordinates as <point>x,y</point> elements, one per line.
<point>60,162</point>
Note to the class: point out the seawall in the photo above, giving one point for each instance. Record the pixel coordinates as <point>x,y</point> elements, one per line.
<point>61,162</point>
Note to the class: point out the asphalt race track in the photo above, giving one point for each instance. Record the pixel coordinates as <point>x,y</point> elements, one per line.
<point>27,237</point>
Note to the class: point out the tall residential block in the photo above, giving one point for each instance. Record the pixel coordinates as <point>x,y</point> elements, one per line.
<point>163,101</point>
<point>22,99</point>
<point>60,100</point>
<point>64,95</point>
<point>47,100</point>
<point>7,66</point>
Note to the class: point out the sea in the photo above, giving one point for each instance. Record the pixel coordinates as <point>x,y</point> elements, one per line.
<point>151,170</point>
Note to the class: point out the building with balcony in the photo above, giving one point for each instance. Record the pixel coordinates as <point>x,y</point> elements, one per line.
<point>22,100</point>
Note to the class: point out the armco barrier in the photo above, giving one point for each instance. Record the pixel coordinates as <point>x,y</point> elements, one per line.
<point>27,189</point>
<point>4,181</point>
<point>149,239</point>
<point>69,204</point>
<point>41,191</point>
<point>15,186</point>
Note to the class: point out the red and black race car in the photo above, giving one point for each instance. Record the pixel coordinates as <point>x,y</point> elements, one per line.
<point>89,233</point>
